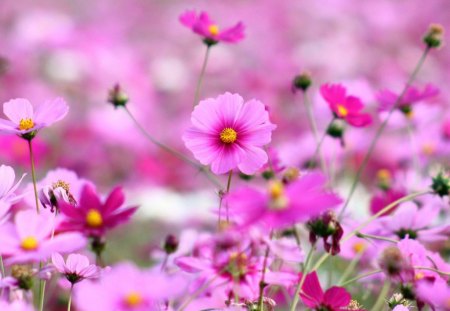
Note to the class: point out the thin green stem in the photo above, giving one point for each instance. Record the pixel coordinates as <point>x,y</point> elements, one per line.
<point>230,175</point>
<point>33,175</point>
<point>350,268</point>
<point>381,129</point>
<point>382,297</point>
<point>364,224</point>
<point>375,237</point>
<point>42,284</point>
<point>302,280</point>
<point>174,152</point>
<point>200,78</point>
<point>319,145</point>
<point>262,283</point>
<point>69,304</point>
<point>432,269</point>
<point>359,277</point>
<point>2,267</point>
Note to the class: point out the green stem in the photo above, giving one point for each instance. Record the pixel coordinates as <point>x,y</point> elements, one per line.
<point>319,144</point>
<point>33,175</point>
<point>432,269</point>
<point>302,280</point>
<point>364,224</point>
<point>375,237</point>
<point>350,268</point>
<point>177,154</point>
<point>200,78</point>
<point>230,175</point>
<point>262,284</point>
<point>381,129</point>
<point>382,297</point>
<point>2,267</point>
<point>359,277</point>
<point>69,304</point>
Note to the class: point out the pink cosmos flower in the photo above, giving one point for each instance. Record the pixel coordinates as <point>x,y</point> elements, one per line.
<point>24,119</point>
<point>345,107</point>
<point>205,27</point>
<point>76,268</point>
<point>18,305</point>
<point>282,205</point>
<point>436,294</point>
<point>91,216</point>
<point>334,299</point>
<point>413,95</point>
<point>228,133</point>
<point>7,186</point>
<point>127,288</point>
<point>400,308</point>
<point>381,199</point>
<point>29,238</point>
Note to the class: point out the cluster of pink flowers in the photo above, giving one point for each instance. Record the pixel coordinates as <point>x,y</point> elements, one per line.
<point>285,231</point>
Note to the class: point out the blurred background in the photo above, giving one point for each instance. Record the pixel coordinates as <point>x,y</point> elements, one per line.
<point>79,49</point>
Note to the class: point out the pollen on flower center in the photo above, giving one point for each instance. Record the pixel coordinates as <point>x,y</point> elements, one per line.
<point>133,299</point>
<point>29,243</point>
<point>359,247</point>
<point>228,135</point>
<point>94,219</point>
<point>342,111</point>
<point>61,184</point>
<point>26,124</point>
<point>278,199</point>
<point>213,29</point>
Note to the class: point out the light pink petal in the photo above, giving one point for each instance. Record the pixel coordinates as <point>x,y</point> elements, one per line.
<point>254,160</point>
<point>76,262</point>
<point>8,127</point>
<point>51,111</point>
<point>204,146</point>
<point>192,264</point>
<point>7,177</point>
<point>337,297</point>
<point>29,224</point>
<point>229,108</point>
<point>18,109</point>
<point>227,159</point>
<point>64,243</point>
<point>206,116</point>
<point>58,262</point>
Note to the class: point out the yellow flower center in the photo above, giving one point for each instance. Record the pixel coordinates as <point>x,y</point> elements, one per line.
<point>94,219</point>
<point>419,276</point>
<point>342,111</point>
<point>278,199</point>
<point>384,174</point>
<point>26,124</point>
<point>359,247</point>
<point>409,114</point>
<point>61,184</point>
<point>213,29</point>
<point>228,135</point>
<point>29,243</point>
<point>133,299</point>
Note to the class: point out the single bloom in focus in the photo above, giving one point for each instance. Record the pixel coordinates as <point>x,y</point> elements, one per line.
<point>345,107</point>
<point>334,298</point>
<point>76,268</point>
<point>25,119</point>
<point>92,217</point>
<point>201,24</point>
<point>29,238</point>
<point>227,133</point>
<point>282,205</point>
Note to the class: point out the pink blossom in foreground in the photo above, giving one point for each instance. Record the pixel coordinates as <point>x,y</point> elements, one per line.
<point>334,298</point>
<point>7,186</point>
<point>76,268</point>
<point>29,238</point>
<point>201,24</point>
<point>436,294</point>
<point>92,217</point>
<point>387,98</point>
<point>227,133</point>
<point>344,106</point>
<point>18,305</point>
<point>282,205</point>
<point>24,118</point>
<point>127,288</point>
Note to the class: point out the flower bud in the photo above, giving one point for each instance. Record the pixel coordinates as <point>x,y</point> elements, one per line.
<point>336,129</point>
<point>171,244</point>
<point>326,227</point>
<point>117,96</point>
<point>434,35</point>
<point>441,184</point>
<point>23,275</point>
<point>291,174</point>
<point>397,299</point>
<point>391,261</point>
<point>301,82</point>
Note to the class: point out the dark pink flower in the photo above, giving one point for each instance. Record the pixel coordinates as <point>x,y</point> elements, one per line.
<point>282,205</point>
<point>387,98</point>
<point>201,24</point>
<point>334,299</point>
<point>227,133</point>
<point>91,216</point>
<point>345,107</point>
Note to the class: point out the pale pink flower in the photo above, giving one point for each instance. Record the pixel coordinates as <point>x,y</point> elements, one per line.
<point>76,268</point>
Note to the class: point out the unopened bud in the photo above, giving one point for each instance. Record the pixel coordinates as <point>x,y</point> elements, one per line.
<point>117,96</point>
<point>441,184</point>
<point>391,261</point>
<point>301,82</point>
<point>434,35</point>
<point>171,244</point>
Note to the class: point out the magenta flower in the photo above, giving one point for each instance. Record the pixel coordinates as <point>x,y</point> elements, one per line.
<point>205,27</point>
<point>127,288</point>
<point>91,216</point>
<point>29,239</point>
<point>282,205</point>
<point>334,299</point>
<point>345,107</point>
<point>25,120</point>
<point>76,268</point>
<point>228,133</point>
<point>413,95</point>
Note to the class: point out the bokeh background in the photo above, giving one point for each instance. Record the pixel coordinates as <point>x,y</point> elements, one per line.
<point>79,49</point>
